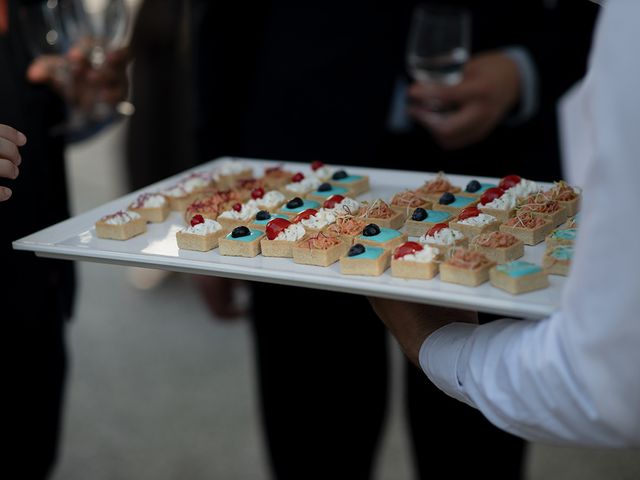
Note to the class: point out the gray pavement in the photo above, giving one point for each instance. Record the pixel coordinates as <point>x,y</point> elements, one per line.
<point>160,390</point>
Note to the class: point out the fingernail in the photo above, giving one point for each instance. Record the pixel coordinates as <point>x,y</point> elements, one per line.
<point>16,173</point>
<point>22,139</point>
<point>19,160</point>
<point>5,193</point>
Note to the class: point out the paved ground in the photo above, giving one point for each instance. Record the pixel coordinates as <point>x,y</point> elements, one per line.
<point>161,391</point>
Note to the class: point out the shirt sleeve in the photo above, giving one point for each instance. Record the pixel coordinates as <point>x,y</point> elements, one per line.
<point>572,378</point>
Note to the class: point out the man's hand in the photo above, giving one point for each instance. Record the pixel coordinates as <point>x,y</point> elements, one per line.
<point>10,159</point>
<point>490,89</point>
<point>412,323</point>
<point>77,82</point>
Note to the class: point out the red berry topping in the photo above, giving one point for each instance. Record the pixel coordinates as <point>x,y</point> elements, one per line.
<point>407,248</point>
<point>317,165</point>
<point>332,201</point>
<point>257,193</point>
<point>509,181</point>
<point>196,220</point>
<point>298,177</point>
<point>490,195</point>
<point>469,212</point>
<point>436,228</point>
<point>237,207</point>
<point>275,226</point>
<point>309,212</point>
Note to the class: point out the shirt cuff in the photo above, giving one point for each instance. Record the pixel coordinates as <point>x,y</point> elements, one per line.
<point>439,356</point>
<point>529,92</point>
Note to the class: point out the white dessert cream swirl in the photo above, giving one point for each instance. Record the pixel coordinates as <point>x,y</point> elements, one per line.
<point>270,199</point>
<point>320,220</point>
<point>323,173</point>
<point>426,255</point>
<point>305,185</point>
<point>478,220</point>
<point>149,200</point>
<point>206,228</point>
<point>196,181</point>
<point>524,188</point>
<point>230,167</point>
<point>348,206</point>
<point>292,233</point>
<point>506,202</point>
<point>446,236</point>
<point>175,191</point>
<point>247,212</point>
<point>120,218</point>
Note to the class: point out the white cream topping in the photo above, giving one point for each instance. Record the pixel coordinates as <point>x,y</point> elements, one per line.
<point>446,236</point>
<point>347,206</point>
<point>292,233</point>
<point>479,221</point>
<point>120,218</point>
<point>206,228</point>
<point>195,181</point>
<point>506,202</point>
<point>247,212</point>
<point>320,220</point>
<point>426,255</point>
<point>175,191</point>
<point>270,200</point>
<point>231,167</point>
<point>149,200</point>
<point>306,185</point>
<point>524,188</point>
<point>323,173</point>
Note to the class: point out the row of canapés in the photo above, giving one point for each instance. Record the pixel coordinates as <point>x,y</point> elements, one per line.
<point>462,234</point>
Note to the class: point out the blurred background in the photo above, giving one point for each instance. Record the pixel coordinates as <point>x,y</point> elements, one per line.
<point>159,389</point>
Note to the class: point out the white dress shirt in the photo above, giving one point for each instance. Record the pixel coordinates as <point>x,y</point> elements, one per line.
<point>574,378</point>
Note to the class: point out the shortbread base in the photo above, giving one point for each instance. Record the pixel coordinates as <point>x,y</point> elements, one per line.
<point>500,214</point>
<point>277,248</point>
<point>155,214</point>
<point>527,235</point>
<point>471,231</point>
<point>320,258</point>
<point>502,255</point>
<point>409,269</point>
<point>388,245</point>
<point>200,243</point>
<point>124,231</point>
<point>237,248</point>
<point>463,276</point>
<point>517,285</point>
<point>367,267</point>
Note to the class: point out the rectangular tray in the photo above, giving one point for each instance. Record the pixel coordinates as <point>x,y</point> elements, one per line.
<point>75,239</point>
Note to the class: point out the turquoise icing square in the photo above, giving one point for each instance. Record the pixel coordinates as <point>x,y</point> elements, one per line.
<point>334,191</point>
<point>305,205</point>
<point>436,216</point>
<point>349,179</point>
<point>385,235</point>
<point>249,238</point>
<point>370,253</point>
<point>519,268</point>
<point>462,202</point>
<point>562,253</point>
<point>567,234</point>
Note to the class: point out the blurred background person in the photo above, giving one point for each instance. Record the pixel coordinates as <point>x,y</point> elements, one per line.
<point>37,294</point>
<point>10,159</point>
<point>304,83</point>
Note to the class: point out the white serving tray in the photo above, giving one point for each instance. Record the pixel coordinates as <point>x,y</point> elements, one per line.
<point>75,239</point>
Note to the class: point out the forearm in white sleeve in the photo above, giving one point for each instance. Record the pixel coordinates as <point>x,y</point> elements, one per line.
<point>574,377</point>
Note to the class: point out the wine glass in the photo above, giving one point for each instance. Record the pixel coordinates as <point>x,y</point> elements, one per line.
<point>438,47</point>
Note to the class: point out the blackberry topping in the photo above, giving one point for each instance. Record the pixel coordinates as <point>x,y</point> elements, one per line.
<point>295,203</point>
<point>263,215</point>
<point>371,230</point>
<point>325,187</point>
<point>473,186</point>
<point>357,249</point>
<point>447,198</point>
<point>339,175</point>
<point>240,232</point>
<point>419,214</point>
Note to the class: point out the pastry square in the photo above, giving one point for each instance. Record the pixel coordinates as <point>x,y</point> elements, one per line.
<point>341,206</point>
<point>228,172</point>
<point>565,236</point>
<point>406,202</point>
<point>519,187</point>
<point>466,267</point>
<point>241,242</point>
<point>315,220</point>
<point>518,277</point>
<point>381,214</point>
<point>501,247</point>
<point>319,249</point>
<point>527,227</point>
<point>567,196</point>
<point>422,220</point>
<point>540,206</point>
<point>179,199</point>
<point>121,226</point>
<point>471,221</point>
<point>153,207</point>
<point>325,191</point>
<point>321,171</point>
<point>276,177</point>
<point>356,184</point>
<point>211,205</point>
<point>454,204</point>
<point>376,236</point>
<point>202,235</point>
<point>269,201</point>
<point>281,237</point>
<point>298,205</point>
<point>413,260</point>
<point>498,203</point>
<point>433,189</point>
<point>346,228</point>
<point>365,260</point>
<point>240,214</point>
<point>557,260</point>
<point>300,186</point>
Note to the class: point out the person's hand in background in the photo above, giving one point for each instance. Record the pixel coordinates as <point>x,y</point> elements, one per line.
<point>221,296</point>
<point>412,323</point>
<point>81,85</point>
<point>10,159</point>
<point>471,109</point>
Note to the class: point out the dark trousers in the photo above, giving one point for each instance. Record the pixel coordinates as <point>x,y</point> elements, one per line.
<point>323,380</point>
